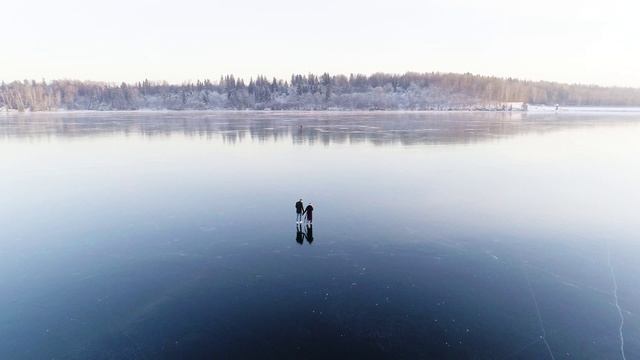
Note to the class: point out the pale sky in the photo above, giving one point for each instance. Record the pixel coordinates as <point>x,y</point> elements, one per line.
<point>583,41</point>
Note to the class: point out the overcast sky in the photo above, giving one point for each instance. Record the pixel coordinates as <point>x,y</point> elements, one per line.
<point>582,41</point>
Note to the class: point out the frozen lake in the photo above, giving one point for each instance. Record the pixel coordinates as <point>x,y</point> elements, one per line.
<point>438,235</point>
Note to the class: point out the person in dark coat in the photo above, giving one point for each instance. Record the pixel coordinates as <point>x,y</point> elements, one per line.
<point>299,211</point>
<point>309,212</point>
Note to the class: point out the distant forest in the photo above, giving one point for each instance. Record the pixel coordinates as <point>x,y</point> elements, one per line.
<point>410,91</point>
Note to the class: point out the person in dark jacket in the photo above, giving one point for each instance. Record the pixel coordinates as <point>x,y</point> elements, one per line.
<point>299,211</point>
<point>309,212</point>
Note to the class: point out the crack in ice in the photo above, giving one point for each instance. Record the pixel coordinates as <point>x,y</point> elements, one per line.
<point>615,297</point>
<point>535,302</point>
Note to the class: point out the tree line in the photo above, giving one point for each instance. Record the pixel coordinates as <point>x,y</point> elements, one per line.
<point>380,91</point>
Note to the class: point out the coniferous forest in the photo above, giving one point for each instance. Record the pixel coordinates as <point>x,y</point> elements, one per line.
<point>409,91</point>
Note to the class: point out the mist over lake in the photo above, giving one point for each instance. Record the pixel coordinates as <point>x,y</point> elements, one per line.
<point>150,235</point>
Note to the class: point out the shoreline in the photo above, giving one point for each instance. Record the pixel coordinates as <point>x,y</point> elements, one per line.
<point>535,110</point>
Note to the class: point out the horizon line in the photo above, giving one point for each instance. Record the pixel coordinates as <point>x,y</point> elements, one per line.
<point>279,78</point>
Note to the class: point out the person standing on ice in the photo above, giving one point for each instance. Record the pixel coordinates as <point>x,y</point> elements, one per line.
<point>309,212</point>
<point>299,211</point>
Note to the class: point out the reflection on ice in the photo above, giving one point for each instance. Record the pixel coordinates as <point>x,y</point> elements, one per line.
<point>169,235</point>
<point>304,128</point>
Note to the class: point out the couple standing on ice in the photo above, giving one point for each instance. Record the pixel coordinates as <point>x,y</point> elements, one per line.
<point>301,211</point>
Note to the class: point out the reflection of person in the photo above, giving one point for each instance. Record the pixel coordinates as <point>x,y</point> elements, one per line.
<point>309,212</point>
<point>309,234</point>
<point>299,212</point>
<point>299,234</point>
